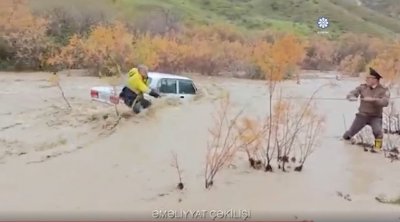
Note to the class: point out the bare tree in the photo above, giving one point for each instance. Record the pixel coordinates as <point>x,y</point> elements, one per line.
<point>297,122</point>
<point>313,127</point>
<point>55,79</point>
<point>175,164</point>
<point>223,145</point>
<point>252,134</point>
<point>278,135</point>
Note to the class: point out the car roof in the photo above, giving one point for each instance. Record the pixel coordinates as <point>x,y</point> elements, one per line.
<point>159,75</point>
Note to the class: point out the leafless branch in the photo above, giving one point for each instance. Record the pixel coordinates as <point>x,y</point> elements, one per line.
<point>223,145</point>
<point>175,164</point>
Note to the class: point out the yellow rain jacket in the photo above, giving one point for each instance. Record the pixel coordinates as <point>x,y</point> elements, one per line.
<point>137,83</point>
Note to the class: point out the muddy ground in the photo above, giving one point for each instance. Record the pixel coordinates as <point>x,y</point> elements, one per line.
<point>59,163</point>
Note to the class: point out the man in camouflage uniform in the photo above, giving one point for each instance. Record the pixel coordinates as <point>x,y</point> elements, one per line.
<point>374,97</point>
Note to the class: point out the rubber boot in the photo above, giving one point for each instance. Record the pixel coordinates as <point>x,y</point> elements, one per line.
<point>377,146</point>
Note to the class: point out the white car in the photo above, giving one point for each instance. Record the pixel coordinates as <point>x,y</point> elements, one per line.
<point>168,85</point>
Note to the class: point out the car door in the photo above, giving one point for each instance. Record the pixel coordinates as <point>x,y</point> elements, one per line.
<point>168,87</point>
<point>186,88</point>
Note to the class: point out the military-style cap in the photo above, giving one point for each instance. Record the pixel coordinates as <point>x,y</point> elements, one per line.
<point>374,73</point>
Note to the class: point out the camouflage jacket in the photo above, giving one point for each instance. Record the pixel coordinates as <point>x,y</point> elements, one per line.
<point>371,108</point>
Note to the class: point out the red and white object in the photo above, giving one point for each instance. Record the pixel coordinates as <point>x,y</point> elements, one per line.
<point>104,94</point>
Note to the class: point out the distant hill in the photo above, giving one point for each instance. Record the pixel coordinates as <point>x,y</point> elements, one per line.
<point>390,8</point>
<point>374,17</point>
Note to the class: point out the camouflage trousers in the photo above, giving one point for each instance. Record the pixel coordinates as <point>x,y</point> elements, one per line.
<point>360,122</point>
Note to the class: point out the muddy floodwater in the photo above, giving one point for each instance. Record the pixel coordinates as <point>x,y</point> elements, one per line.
<point>57,163</point>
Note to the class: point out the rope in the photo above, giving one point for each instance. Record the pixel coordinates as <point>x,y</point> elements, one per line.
<point>325,98</point>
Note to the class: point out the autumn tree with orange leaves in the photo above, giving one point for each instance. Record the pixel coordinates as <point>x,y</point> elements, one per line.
<point>170,53</point>
<point>101,51</point>
<point>319,54</point>
<point>387,63</point>
<point>354,52</point>
<point>107,46</point>
<point>70,56</point>
<point>29,41</point>
<point>279,59</point>
<point>351,65</point>
<point>276,60</point>
<point>24,33</point>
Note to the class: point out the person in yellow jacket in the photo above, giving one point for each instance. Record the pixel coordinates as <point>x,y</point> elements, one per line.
<point>136,87</point>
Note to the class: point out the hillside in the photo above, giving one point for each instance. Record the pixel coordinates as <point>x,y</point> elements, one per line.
<point>388,7</point>
<point>293,15</point>
<point>378,18</point>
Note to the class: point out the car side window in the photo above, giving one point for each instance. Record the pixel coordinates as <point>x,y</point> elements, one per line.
<point>168,86</point>
<point>186,87</point>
